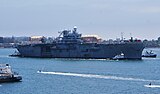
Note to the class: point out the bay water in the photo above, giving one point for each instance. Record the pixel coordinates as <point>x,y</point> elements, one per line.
<point>82,76</point>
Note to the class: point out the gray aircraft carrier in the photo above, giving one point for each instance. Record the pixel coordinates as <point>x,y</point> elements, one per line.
<point>70,44</point>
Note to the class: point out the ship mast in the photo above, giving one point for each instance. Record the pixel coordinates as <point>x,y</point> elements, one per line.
<point>122,36</point>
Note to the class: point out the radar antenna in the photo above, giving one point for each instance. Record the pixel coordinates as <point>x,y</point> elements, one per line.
<point>74,28</point>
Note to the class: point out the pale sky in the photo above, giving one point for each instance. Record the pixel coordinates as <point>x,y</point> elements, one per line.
<point>106,18</point>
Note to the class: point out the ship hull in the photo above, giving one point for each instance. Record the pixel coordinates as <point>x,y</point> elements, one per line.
<point>131,50</point>
<point>152,56</point>
<point>10,79</point>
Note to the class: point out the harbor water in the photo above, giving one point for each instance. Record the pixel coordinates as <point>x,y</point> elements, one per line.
<point>82,76</point>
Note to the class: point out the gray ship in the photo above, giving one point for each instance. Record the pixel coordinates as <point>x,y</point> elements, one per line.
<point>70,44</point>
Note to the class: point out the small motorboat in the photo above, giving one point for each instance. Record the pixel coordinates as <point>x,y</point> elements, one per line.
<point>119,57</point>
<point>7,75</point>
<point>149,54</point>
<point>39,71</point>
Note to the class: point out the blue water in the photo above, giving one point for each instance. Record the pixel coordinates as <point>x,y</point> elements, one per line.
<point>79,76</point>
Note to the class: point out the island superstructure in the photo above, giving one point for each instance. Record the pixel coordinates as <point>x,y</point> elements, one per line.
<point>70,44</point>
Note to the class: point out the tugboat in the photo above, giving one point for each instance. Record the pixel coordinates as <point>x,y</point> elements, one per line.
<point>15,54</point>
<point>7,75</point>
<point>119,57</point>
<point>149,54</point>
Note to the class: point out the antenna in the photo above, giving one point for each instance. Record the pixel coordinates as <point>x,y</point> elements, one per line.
<point>131,37</point>
<point>130,34</point>
<point>121,35</point>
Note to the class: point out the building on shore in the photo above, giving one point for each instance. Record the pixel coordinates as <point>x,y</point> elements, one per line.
<point>91,39</point>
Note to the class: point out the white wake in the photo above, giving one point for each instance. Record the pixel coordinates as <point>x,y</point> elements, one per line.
<point>152,86</point>
<point>97,76</point>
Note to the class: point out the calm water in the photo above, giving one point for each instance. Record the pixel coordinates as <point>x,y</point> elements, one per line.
<point>78,76</point>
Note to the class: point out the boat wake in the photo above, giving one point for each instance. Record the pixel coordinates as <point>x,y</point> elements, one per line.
<point>152,86</point>
<point>97,76</point>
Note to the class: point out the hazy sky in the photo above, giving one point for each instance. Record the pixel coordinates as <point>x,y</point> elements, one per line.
<point>106,18</point>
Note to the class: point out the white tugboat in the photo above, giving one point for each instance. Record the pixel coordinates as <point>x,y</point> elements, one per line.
<point>119,57</point>
<point>149,54</point>
<point>7,75</point>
